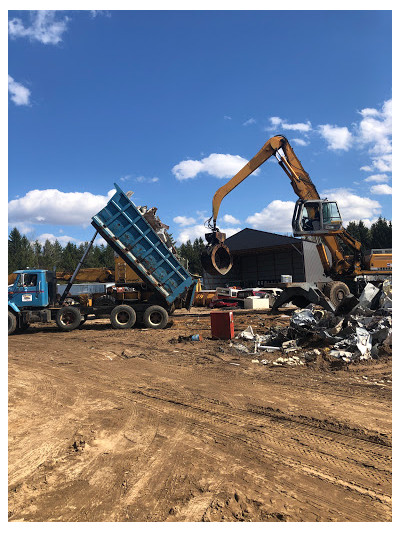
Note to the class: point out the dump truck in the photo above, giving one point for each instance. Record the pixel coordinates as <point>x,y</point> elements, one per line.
<point>162,282</point>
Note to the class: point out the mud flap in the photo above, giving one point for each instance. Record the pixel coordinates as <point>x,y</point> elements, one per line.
<point>301,297</point>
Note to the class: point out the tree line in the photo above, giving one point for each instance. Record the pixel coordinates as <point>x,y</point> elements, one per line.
<point>22,253</point>
<point>379,235</point>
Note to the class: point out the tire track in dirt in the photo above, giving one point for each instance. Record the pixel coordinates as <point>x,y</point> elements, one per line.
<point>283,459</point>
<point>186,437</point>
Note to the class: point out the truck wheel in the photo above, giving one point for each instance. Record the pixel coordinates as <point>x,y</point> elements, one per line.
<point>68,318</point>
<point>12,323</point>
<point>122,317</point>
<point>155,317</point>
<point>336,291</point>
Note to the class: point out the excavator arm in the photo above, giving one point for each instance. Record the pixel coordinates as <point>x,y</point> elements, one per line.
<point>287,159</point>
<point>216,259</point>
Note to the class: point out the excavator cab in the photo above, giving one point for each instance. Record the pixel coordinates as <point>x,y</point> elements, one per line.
<point>316,217</point>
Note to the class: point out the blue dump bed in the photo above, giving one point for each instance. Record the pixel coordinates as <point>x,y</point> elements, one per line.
<point>131,236</point>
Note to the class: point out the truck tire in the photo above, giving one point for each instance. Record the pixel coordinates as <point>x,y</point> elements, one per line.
<point>12,323</point>
<point>68,318</point>
<point>155,317</point>
<point>122,317</point>
<point>336,291</point>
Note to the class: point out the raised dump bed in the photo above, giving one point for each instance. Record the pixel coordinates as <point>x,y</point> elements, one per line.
<point>135,241</point>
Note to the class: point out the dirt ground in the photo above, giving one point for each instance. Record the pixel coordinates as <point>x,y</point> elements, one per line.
<point>111,425</point>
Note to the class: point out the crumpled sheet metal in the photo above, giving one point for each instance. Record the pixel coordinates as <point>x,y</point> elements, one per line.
<point>367,295</point>
<point>364,343</point>
<point>303,317</point>
<point>356,335</point>
<point>385,301</point>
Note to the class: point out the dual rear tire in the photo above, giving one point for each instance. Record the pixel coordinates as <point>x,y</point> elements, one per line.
<point>124,317</point>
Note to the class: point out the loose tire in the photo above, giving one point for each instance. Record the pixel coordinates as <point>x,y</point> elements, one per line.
<point>336,291</point>
<point>122,317</point>
<point>12,323</point>
<point>155,317</point>
<point>68,318</point>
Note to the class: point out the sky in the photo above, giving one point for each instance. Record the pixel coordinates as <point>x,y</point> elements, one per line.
<point>171,104</point>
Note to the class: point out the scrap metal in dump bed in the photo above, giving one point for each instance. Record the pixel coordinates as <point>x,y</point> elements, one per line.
<point>124,228</point>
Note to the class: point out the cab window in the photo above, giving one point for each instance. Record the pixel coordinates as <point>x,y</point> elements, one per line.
<point>330,212</point>
<point>30,280</point>
<point>20,280</point>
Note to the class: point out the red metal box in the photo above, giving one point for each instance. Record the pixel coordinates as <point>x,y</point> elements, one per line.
<point>222,325</point>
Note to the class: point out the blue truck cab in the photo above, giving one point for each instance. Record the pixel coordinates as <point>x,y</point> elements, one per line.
<point>31,298</point>
<point>30,289</point>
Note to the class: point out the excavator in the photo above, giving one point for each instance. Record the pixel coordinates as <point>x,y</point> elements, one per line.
<point>314,218</point>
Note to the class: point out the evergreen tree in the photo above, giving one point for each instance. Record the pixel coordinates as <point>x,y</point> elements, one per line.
<point>192,252</point>
<point>57,255</point>
<point>70,257</point>
<point>381,234</point>
<point>27,257</point>
<point>14,250</point>
<point>108,257</point>
<point>360,232</point>
<point>48,260</point>
<point>37,250</point>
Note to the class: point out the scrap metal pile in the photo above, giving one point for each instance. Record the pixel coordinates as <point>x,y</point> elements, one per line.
<point>359,330</point>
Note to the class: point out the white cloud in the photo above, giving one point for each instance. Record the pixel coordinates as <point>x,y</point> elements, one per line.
<point>44,27</point>
<point>62,239</point>
<point>143,179</point>
<point>366,168</point>
<point>375,131</point>
<point>276,217</point>
<point>184,221</point>
<point>352,206</point>
<point>381,189</point>
<point>383,162</point>
<point>227,117</point>
<point>300,142</point>
<point>275,121</point>
<point>22,227</point>
<point>199,230</point>
<point>95,13</point>
<point>369,112</point>
<point>229,219</point>
<point>217,165</point>
<point>377,178</point>
<point>298,126</point>
<point>51,206</point>
<point>99,241</point>
<point>338,138</point>
<point>250,121</point>
<point>19,94</point>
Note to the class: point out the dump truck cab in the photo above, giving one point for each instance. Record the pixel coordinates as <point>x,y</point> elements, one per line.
<point>32,289</point>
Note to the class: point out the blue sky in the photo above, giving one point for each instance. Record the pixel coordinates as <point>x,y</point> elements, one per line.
<point>170,104</point>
